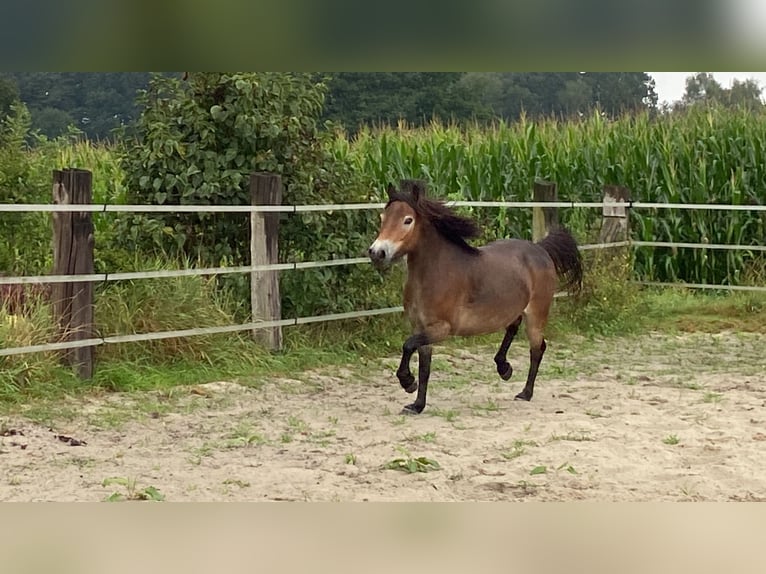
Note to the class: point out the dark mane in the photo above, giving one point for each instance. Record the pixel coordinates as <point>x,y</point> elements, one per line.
<point>453,227</point>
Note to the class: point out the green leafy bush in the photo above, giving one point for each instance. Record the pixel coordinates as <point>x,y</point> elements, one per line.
<point>197,143</point>
<point>24,237</point>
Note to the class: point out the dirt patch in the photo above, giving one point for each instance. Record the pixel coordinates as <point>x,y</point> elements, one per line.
<point>658,417</point>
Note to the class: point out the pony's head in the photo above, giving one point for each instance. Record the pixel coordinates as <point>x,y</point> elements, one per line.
<point>399,225</point>
<point>406,215</point>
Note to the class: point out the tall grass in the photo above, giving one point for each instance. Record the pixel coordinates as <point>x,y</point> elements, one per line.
<point>26,177</point>
<point>20,374</point>
<point>125,308</point>
<point>712,155</point>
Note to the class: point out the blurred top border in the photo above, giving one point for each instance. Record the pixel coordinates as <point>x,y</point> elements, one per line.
<point>343,35</point>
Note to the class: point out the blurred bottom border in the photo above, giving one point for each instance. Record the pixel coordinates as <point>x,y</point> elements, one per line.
<point>66,538</point>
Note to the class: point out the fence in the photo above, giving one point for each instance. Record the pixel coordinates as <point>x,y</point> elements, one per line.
<point>73,257</point>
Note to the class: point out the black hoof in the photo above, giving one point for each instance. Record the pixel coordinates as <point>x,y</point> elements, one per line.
<point>505,371</point>
<point>522,396</point>
<point>413,409</point>
<point>412,388</point>
<point>408,382</point>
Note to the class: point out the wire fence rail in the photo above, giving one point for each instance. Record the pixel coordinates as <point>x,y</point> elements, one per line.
<point>197,331</point>
<point>196,272</point>
<point>276,267</point>
<point>125,208</point>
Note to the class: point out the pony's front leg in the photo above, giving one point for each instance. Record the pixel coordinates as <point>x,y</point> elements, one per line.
<point>403,373</point>
<point>424,372</point>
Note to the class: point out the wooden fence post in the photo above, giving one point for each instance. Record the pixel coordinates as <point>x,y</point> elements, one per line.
<point>73,255</point>
<point>265,189</point>
<point>614,226</point>
<point>544,218</point>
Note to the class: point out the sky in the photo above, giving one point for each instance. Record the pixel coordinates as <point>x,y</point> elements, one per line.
<point>670,86</point>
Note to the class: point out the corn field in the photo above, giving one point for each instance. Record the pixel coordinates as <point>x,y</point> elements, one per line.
<point>711,155</point>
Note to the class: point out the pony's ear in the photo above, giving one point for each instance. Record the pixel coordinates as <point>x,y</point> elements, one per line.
<point>418,191</point>
<point>391,190</point>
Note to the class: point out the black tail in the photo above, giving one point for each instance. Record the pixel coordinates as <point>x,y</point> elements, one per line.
<point>562,248</point>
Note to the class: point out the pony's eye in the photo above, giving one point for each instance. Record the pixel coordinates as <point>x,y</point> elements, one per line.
<point>407,220</point>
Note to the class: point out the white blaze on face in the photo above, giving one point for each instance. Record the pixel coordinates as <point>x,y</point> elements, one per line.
<point>383,250</point>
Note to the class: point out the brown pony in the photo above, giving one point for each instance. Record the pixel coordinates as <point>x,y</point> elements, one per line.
<point>455,289</point>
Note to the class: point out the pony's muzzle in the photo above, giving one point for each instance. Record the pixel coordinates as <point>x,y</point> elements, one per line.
<point>380,254</point>
<point>376,254</point>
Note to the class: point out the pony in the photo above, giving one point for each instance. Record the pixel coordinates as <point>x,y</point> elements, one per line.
<point>456,289</point>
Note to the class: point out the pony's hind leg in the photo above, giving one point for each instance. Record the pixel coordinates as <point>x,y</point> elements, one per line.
<point>535,356</point>
<point>504,368</point>
<point>534,326</point>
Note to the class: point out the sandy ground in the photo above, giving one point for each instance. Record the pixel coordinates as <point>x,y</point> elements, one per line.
<point>656,417</point>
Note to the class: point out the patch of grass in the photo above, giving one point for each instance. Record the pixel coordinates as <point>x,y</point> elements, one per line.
<point>456,382</point>
<point>296,423</point>
<point>543,469</point>
<point>197,454</point>
<point>322,438</point>
<point>344,342</point>
<point>518,448</point>
<point>488,407</point>
<point>350,458</point>
<point>111,417</point>
<point>131,491</point>
<point>49,413</point>
<point>236,482</point>
<point>563,371</point>
<point>409,464</point>
<point>428,437</point>
<point>711,397</point>
<point>448,415</point>
<point>671,440</point>
<point>684,384</point>
<point>608,303</point>
<point>244,435</point>
<point>692,311</point>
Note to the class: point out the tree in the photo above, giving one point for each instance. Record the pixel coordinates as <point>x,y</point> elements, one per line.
<point>619,92</point>
<point>575,96</point>
<point>565,93</point>
<point>51,121</point>
<point>703,89</point>
<point>357,98</point>
<point>746,93</point>
<point>9,95</point>
<point>484,92</point>
<point>96,103</point>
